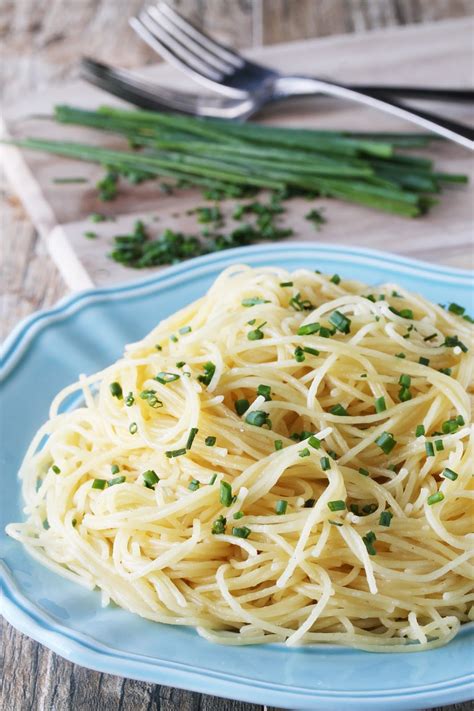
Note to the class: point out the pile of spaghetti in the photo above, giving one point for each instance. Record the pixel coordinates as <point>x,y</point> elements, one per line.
<point>288,459</point>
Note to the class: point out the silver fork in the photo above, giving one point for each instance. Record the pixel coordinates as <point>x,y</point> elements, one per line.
<point>220,68</point>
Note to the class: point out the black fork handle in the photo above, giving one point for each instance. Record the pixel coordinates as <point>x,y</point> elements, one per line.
<point>413,92</point>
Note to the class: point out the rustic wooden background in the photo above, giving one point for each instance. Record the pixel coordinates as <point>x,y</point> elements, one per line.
<point>40,41</point>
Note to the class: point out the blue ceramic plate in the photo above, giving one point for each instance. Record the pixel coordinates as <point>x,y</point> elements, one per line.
<point>87,332</point>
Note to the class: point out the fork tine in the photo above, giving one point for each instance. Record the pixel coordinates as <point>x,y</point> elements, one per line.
<point>200,50</point>
<point>221,50</point>
<point>162,44</point>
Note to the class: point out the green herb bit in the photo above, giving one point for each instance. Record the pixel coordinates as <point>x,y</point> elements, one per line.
<point>173,338</point>
<point>450,426</point>
<point>281,507</point>
<point>258,418</point>
<point>286,283</point>
<point>300,304</point>
<point>129,400</point>
<point>74,522</point>
<point>316,217</point>
<point>90,235</point>
<point>369,541</point>
<point>151,398</point>
<point>453,342</point>
<point>385,518</point>
<point>165,378</point>
<point>423,361</point>
<point>117,480</point>
<point>325,463</point>
<point>335,279</point>
<point>456,309</point>
<point>278,445</point>
<point>314,442</point>
<point>193,485</point>
<point>158,347</point>
<point>171,453</point>
<point>404,394</point>
<point>116,390</point>
<point>364,472</point>
<point>185,329</point>
<point>150,478</point>
<point>405,380</point>
<point>338,505</point>
<point>445,371</point>
<point>114,469</point>
<point>396,295</point>
<point>219,525</point>
<point>439,444</point>
<point>208,214</point>
<point>99,483</point>
<point>253,301</point>
<point>406,313</point>
<point>241,532</point>
<point>238,514</point>
<point>326,332</point>
<point>429,449</point>
<point>309,329</point>
<point>304,452</point>
<point>400,355</point>
<point>69,181</point>
<point>192,434</point>
<point>241,406</point>
<point>256,334</point>
<point>212,479</point>
<point>460,420</point>
<point>420,430</point>
<point>339,410</point>
<point>97,217</point>
<point>341,322</point>
<point>225,493</point>
<point>309,503</point>
<point>468,318</point>
<point>449,474</point>
<point>133,428</point>
<point>264,390</point>
<point>56,469</point>
<point>435,498</point>
<point>210,441</point>
<point>386,442</point>
<point>380,405</point>
<point>209,370</point>
<point>369,509</point>
<point>430,337</point>
<point>299,355</point>
<point>311,351</point>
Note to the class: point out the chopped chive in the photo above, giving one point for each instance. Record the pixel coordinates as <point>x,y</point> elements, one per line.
<point>280,507</point>
<point>173,338</point>
<point>423,361</point>
<point>314,442</point>
<point>210,441</point>
<point>308,329</point>
<point>386,442</point>
<point>304,452</point>
<point>117,480</point>
<point>212,479</point>
<point>171,453</point>
<point>338,505</point>
<point>430,337</point>
<point>380,405</point>
<point>400,355</point>
<point>311,351</point>
<point>420,430</point>
<point>338,410</point>
<point>355,509</point>
<point>335,279</point>
<point>129,400</point>
<point>453,341</point>
<point>192,434</point>
<point>300,304</point>
<point>264,390</point>
<point>241,406</point>
<point>406,313</point>
<point>151,398</point>
<point>405,380</point>
<point>460,420</point>
<point>456,309</point>
<point>341,322</point>
<point>194,485</point>
<point>326,332</point>
<point>286,283</point>
<point>369,509</point>
<point>225,493</point>
<point>364,472</point>
<point>185,329</point>
<point>238,514</point>
<point>158,347</point>
<point>439,444</point>
<point>90,234</point>
<point>468,318</point>
<point>369,540</point>
<point>99,483</point>
<point>219,525</point>
<point>385,518</point>
<point>74,521</point>
<point>325,463</point>
<point>404,394</point>
<point>252,321</point>
<point>429,449</point>
<point>258,418</point>
<point>133,428</point>
<point>180,363</point>
<point>253,301</point>
<point>435,498</point>
<point>332,454</point>
<point>299,354</point>
<point>446,371</point>
<point>309,503</point>
<point>450,426</point>
<point>255,335</point>
<point>334,523</point>
<point>278,445</point>
<point>114,469</point>
<point>150,478</point>
<point>165,378</point>
<point>242,532</point>
<point>209,370</point>
<point>56,469</point>
<point>449,474</point>
<point>116,390</point>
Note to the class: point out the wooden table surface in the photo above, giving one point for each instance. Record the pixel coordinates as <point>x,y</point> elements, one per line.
<point>42,47</point>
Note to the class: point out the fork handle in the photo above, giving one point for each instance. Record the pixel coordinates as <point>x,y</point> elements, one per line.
<point>413,92</point>
<point>291,86</point>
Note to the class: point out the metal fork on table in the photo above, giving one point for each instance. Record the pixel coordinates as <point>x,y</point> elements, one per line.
<point>220,68</point>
